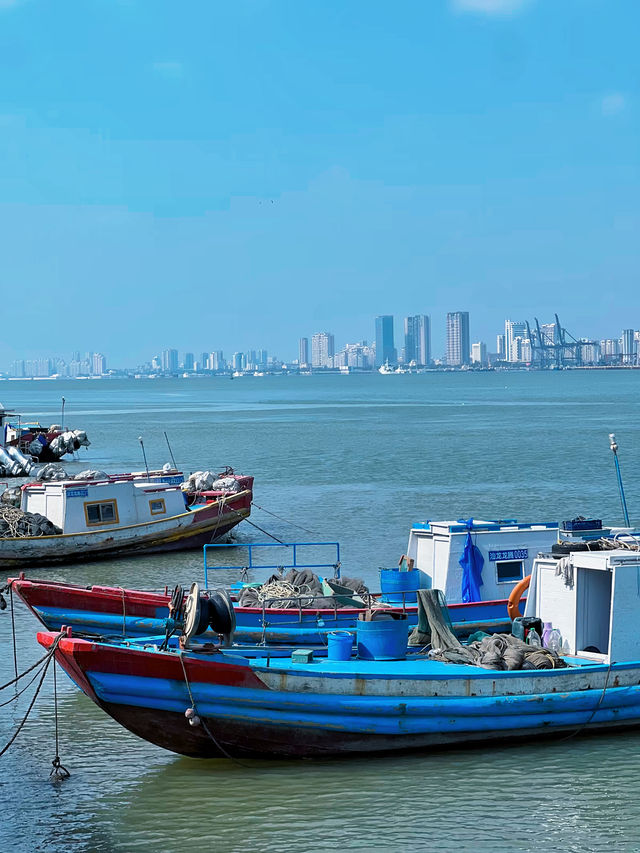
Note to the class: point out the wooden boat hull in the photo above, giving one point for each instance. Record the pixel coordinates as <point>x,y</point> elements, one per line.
<point>191,529</point>
<point>254,707</point>
<point>111,611</point>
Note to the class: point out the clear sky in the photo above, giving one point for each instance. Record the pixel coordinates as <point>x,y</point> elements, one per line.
<point>226,175</point>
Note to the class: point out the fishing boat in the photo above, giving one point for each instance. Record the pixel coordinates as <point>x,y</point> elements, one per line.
<point>34,440</point>
<point>121,514</point>
<point>213,701</point>
<point>442,553</point>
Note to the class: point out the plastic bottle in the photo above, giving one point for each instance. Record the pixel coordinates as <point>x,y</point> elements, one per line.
<point>548,628</point>
<point>533,638</point>
<point>554,641</point>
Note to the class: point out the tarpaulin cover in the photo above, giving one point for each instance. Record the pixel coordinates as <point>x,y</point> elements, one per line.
<point>471,563</point>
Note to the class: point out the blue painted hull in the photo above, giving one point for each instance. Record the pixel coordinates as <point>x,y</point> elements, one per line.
<point>281,627</point>
<point>254,706</point>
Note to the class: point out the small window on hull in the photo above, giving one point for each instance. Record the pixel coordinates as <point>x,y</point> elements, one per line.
<point>157,507</point>
<point>101,512</point>
<point>509,570</point>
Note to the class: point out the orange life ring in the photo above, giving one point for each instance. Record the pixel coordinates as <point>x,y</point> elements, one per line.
<point>513,605</point>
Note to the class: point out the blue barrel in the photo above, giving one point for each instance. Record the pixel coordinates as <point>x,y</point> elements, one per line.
<point>393,583</point>
<point>384,638</point>
<point>339,645</point>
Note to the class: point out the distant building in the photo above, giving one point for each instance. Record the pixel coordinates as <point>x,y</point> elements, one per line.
<point>189,361</point>
<point>355,355</point>
<point>500,348</point>
<point>262,359</point>
<point>170,361</point>
<point>513,329</point>
<point>237,361</point>
<point>99,365</point>
<point>303,352</point>
<point>385,347</point>
<point>458,338</point>
<point>628,346</point>
<point>417,339</point>
<point>589,351</point>
<point>322,350</point>
<point>17,369</point>
<point>479,353</point>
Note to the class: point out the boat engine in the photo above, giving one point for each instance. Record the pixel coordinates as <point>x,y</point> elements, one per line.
<point>211,610</point>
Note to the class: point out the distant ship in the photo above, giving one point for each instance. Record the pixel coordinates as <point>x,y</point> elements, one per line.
<point>386,368</point>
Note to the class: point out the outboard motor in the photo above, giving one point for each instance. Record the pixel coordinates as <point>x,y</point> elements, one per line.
<point>18,456</point>
<point>201,612</point>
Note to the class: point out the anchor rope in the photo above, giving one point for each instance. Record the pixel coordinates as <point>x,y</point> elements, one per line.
<point>59,770</point>
<point>286,520</point>
<point>266,532</point>
<point>26,672</point>
<point>45,668</point>
<point>13,632</point>
<point>202,720</point>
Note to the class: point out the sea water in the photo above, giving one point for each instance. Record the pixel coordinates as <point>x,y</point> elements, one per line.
<point>354,459</point>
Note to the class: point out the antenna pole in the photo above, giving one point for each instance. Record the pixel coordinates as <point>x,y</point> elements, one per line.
<point>614,449</point>
<point>170,451</point>
<point>144,455</point>
<point>62,418</point>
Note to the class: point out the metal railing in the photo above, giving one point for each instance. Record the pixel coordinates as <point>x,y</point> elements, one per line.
<point>280,566</point>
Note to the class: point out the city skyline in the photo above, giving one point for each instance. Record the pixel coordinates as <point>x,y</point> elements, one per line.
<point>521,342</point>
<point>450,157</point>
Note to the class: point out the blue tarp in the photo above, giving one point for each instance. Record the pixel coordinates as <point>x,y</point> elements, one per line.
<point>471,563</point>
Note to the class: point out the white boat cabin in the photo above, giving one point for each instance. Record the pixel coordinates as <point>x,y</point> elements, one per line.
<point>82,507</point>
<point>508,550</point>
<point>593,599</point>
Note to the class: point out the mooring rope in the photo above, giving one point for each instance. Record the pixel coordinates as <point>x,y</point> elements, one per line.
<point>286,520</point>
<point>47,661</point>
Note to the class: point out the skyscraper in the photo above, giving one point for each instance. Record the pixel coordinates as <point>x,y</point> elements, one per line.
<point>189,361</point>
<point>417,339</point>
<point>170,360</point>
<point>385,349</point>
<point>457,338</point>
<point>514,329</point>
<point>628,346</point>
<point>322,349</point>
<point>303,352</point>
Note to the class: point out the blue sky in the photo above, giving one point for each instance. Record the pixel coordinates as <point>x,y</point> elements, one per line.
<point>211,175</point>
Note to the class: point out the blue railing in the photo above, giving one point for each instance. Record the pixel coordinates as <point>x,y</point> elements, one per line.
<point>251,564</point>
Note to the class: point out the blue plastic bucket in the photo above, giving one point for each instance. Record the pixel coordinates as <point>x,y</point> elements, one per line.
<point>384,638</point>
<point>393,583</point>
<point>339,645</point>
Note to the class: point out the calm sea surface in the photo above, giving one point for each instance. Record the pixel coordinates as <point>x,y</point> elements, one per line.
<point>355,459</point>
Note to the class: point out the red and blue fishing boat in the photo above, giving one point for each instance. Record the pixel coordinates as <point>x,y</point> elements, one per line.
<point>206,700</point>
<point>457,548</point>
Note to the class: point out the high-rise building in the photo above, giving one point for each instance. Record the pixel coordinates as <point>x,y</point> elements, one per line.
<point>322,349</point>
<point>303,352</point>
<point>513,329</point>
<point>238,361</point>
<point>628,346</point>
<point>170,360</point>
<point>17,369</point>
<point>479,353</point>
<point>262,359</point>
<point>457,338</point>
<point>417,339</point>
<point>385,348</point>
<point>99,364</point>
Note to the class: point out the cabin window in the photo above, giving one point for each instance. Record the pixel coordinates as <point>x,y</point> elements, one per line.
<point>101,512</point>
<point>509,570</point>
<point>157,506</point>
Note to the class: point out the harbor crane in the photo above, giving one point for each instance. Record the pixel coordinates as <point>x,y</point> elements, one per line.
<point>557,350</point>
